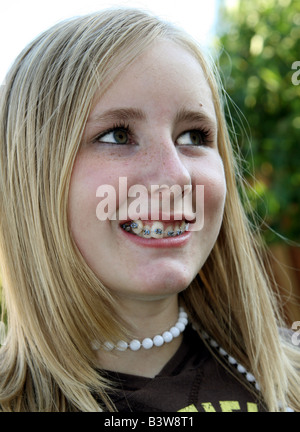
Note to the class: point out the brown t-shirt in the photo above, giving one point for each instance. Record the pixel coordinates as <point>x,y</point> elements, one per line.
<point>192,381</point>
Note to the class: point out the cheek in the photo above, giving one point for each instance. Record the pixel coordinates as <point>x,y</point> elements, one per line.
<point>212,178</point>
<point>82,201</point>
<point>215,192</point>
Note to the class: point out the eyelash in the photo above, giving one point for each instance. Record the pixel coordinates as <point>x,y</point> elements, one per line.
<point>204,133</point>
<point>118,126</point>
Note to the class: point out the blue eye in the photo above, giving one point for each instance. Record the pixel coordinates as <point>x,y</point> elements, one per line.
<point>197,137</point>
<point>118,135</point>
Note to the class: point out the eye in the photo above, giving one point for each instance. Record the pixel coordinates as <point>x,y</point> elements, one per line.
<point>118,135</point>
<point>196,137</point>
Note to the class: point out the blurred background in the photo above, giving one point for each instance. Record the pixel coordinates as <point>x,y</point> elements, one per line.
<point>257,46</point>
<point>259,55</point>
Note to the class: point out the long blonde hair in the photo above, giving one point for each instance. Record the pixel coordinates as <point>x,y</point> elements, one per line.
<point>55,304</point>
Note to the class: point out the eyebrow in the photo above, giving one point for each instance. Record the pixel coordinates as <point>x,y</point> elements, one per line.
<point>184,115</point>
<point>123,114</point>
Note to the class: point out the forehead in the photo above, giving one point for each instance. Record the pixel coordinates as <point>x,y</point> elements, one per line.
<point>165,75</point>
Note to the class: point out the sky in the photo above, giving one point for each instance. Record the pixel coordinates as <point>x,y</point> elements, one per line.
<point>22,20</point>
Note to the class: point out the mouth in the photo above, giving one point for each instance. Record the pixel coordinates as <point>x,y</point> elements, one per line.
<point>155,229</point>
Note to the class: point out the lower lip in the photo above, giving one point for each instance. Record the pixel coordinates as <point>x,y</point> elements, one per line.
<point>171,242</point>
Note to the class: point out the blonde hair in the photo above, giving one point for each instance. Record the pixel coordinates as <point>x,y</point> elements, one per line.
<point>55,304</point>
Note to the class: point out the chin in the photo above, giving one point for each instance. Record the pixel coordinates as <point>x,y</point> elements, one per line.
<point>170,283</point>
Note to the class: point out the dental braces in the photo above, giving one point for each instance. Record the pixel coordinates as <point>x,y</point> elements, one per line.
<point>133,225</point>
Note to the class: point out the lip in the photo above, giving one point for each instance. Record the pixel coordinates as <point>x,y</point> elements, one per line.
<point>172,242</point>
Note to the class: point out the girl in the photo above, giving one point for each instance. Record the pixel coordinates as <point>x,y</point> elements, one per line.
<point>110,304</point>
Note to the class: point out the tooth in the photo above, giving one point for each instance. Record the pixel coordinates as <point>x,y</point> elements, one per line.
<point>157,230</point>
<point>177,229</point>
<point>146,233</point>
<point>136,226</point>
<point>169,231</point>
<point>183,226</point>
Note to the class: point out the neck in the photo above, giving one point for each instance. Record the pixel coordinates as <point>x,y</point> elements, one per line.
<point>145,319</point>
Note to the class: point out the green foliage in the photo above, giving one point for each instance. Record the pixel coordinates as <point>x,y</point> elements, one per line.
<point>260,43</point>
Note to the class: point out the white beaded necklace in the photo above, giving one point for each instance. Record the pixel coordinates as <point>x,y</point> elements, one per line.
<point>148,342</point>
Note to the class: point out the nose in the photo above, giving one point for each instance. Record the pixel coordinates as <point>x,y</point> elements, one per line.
<point>164,165</point>
<point>166,172</point>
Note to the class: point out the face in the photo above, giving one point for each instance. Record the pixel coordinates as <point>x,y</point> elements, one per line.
<point>154,126</point>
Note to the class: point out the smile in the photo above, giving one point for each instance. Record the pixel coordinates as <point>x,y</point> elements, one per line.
<point>157,230</point>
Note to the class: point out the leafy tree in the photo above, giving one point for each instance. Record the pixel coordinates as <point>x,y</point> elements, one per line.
<point>260,64</point>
